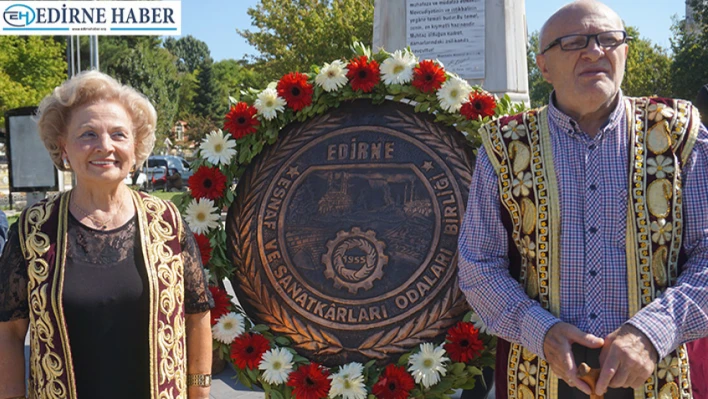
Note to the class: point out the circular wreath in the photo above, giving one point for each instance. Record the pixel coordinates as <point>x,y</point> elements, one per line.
<point>261,357</point>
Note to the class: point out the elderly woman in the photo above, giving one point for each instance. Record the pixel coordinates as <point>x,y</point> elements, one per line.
<point>108,280</point>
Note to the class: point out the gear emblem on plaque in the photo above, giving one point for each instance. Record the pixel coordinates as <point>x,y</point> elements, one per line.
<point>344,232</point>
<point>354,260</point>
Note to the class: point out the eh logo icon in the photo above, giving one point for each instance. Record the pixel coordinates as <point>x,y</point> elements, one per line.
<point>19,15</point>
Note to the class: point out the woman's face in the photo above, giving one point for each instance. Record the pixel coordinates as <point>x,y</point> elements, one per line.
<point>100,143</point>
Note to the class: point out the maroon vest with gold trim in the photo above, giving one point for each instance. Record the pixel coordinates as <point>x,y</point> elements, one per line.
<point>43,238</point>
<point>661,133</point>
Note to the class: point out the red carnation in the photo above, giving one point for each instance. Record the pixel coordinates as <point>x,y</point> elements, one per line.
<point>248,349</point>
<point>204,247</point>
<point>394,383</point>
<point>310,381</point>
<point>428,76</point>
<point>363,74</point>
<point>463,343</point>
<point>222,303</point>
<point>293,87</point>
<point>481,104</point>
<point>240,120</point>
<point>207,183</point>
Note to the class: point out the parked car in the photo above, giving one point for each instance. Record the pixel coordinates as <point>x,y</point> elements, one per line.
<point>167,172</point>
<point>161,164</point>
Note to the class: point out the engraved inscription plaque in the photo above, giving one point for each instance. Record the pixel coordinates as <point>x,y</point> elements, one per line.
<point>344,232</point>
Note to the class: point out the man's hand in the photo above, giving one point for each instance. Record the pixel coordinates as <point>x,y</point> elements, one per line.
<point>628,358</point>
<point>558,349</point>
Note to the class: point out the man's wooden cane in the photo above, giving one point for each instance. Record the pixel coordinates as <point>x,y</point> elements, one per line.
<point>589,376</point>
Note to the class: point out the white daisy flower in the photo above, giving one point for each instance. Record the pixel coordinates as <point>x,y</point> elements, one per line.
<point>398,69</point>
<point>513,130</point>
<point>478,323</point>
<point>276,364</point>
<point>453,93</point>
<point>661,231</point>
<point>348,382</point>
<point>202,215</point>
<point>228,327</point>
<point>660,166</point>
<point>428,365</point>
<point>269,103</point>
<point>217,148</point>
<point>332,76</point>
<point>522,184</point>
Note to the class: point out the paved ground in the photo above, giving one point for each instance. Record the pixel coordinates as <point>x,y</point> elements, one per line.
<point>225,385</point>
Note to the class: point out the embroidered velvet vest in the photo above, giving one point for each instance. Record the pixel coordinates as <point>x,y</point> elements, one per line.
<point>661,133</point>
<point>43,238</point>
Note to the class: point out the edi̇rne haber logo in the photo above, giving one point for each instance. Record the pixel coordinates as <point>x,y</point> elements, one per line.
<point>91,17</point>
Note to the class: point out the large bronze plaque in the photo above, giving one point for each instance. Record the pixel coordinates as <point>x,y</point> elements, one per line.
<point>344,232</point>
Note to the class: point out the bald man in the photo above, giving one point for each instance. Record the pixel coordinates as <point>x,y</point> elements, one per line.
<point>586,235</point>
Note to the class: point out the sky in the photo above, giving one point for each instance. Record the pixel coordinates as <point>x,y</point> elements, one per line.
<point>215,21</point>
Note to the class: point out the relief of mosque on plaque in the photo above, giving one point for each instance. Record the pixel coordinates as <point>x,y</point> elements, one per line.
<point>344,232</point>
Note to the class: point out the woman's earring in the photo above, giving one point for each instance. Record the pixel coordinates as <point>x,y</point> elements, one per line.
<point>67,165</point>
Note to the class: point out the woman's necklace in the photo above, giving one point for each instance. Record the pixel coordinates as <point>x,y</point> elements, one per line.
<point>97,223</point>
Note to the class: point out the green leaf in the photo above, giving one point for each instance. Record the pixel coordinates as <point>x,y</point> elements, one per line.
<point>266,386</point>
<point>474,371</point>
<point>260,328</point>
<point>394,89</point>
<point>252,374</point>
<point>281,340</point>
<point>276,395</point>
<point>300,359</point>
<point>469,384</point>
<point>403,360</point>
<point>243,378</point>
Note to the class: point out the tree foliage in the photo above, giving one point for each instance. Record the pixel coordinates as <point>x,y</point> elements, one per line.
<point>234,76</point>
<point>30,68</point>
<point>191,53</point>
<point>690,47</point>
<point>292,35</point>
<point>186,93</point>
<point>141,63</point>
<point>539,89</point>
<point>648,70</point>
<point>207,102</point>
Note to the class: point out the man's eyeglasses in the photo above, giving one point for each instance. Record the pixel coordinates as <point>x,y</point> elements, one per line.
<point>607,39</point>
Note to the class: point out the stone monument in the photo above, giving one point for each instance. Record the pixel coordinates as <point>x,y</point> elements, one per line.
<point>483,41</point>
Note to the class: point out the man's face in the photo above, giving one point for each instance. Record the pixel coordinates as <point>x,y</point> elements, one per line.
<point>584,80</point>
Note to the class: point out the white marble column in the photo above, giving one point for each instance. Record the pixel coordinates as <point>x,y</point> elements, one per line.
<point>506,71</point>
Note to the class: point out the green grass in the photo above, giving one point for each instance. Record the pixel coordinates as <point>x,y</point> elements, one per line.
<point>12,219</point>
<point>165,195</point>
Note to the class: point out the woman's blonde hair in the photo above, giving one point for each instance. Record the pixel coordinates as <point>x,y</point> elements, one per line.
<point>89,87</point>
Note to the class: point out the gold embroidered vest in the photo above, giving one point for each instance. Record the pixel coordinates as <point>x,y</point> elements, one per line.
<point>43,238</point>
<point>661,133</point>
